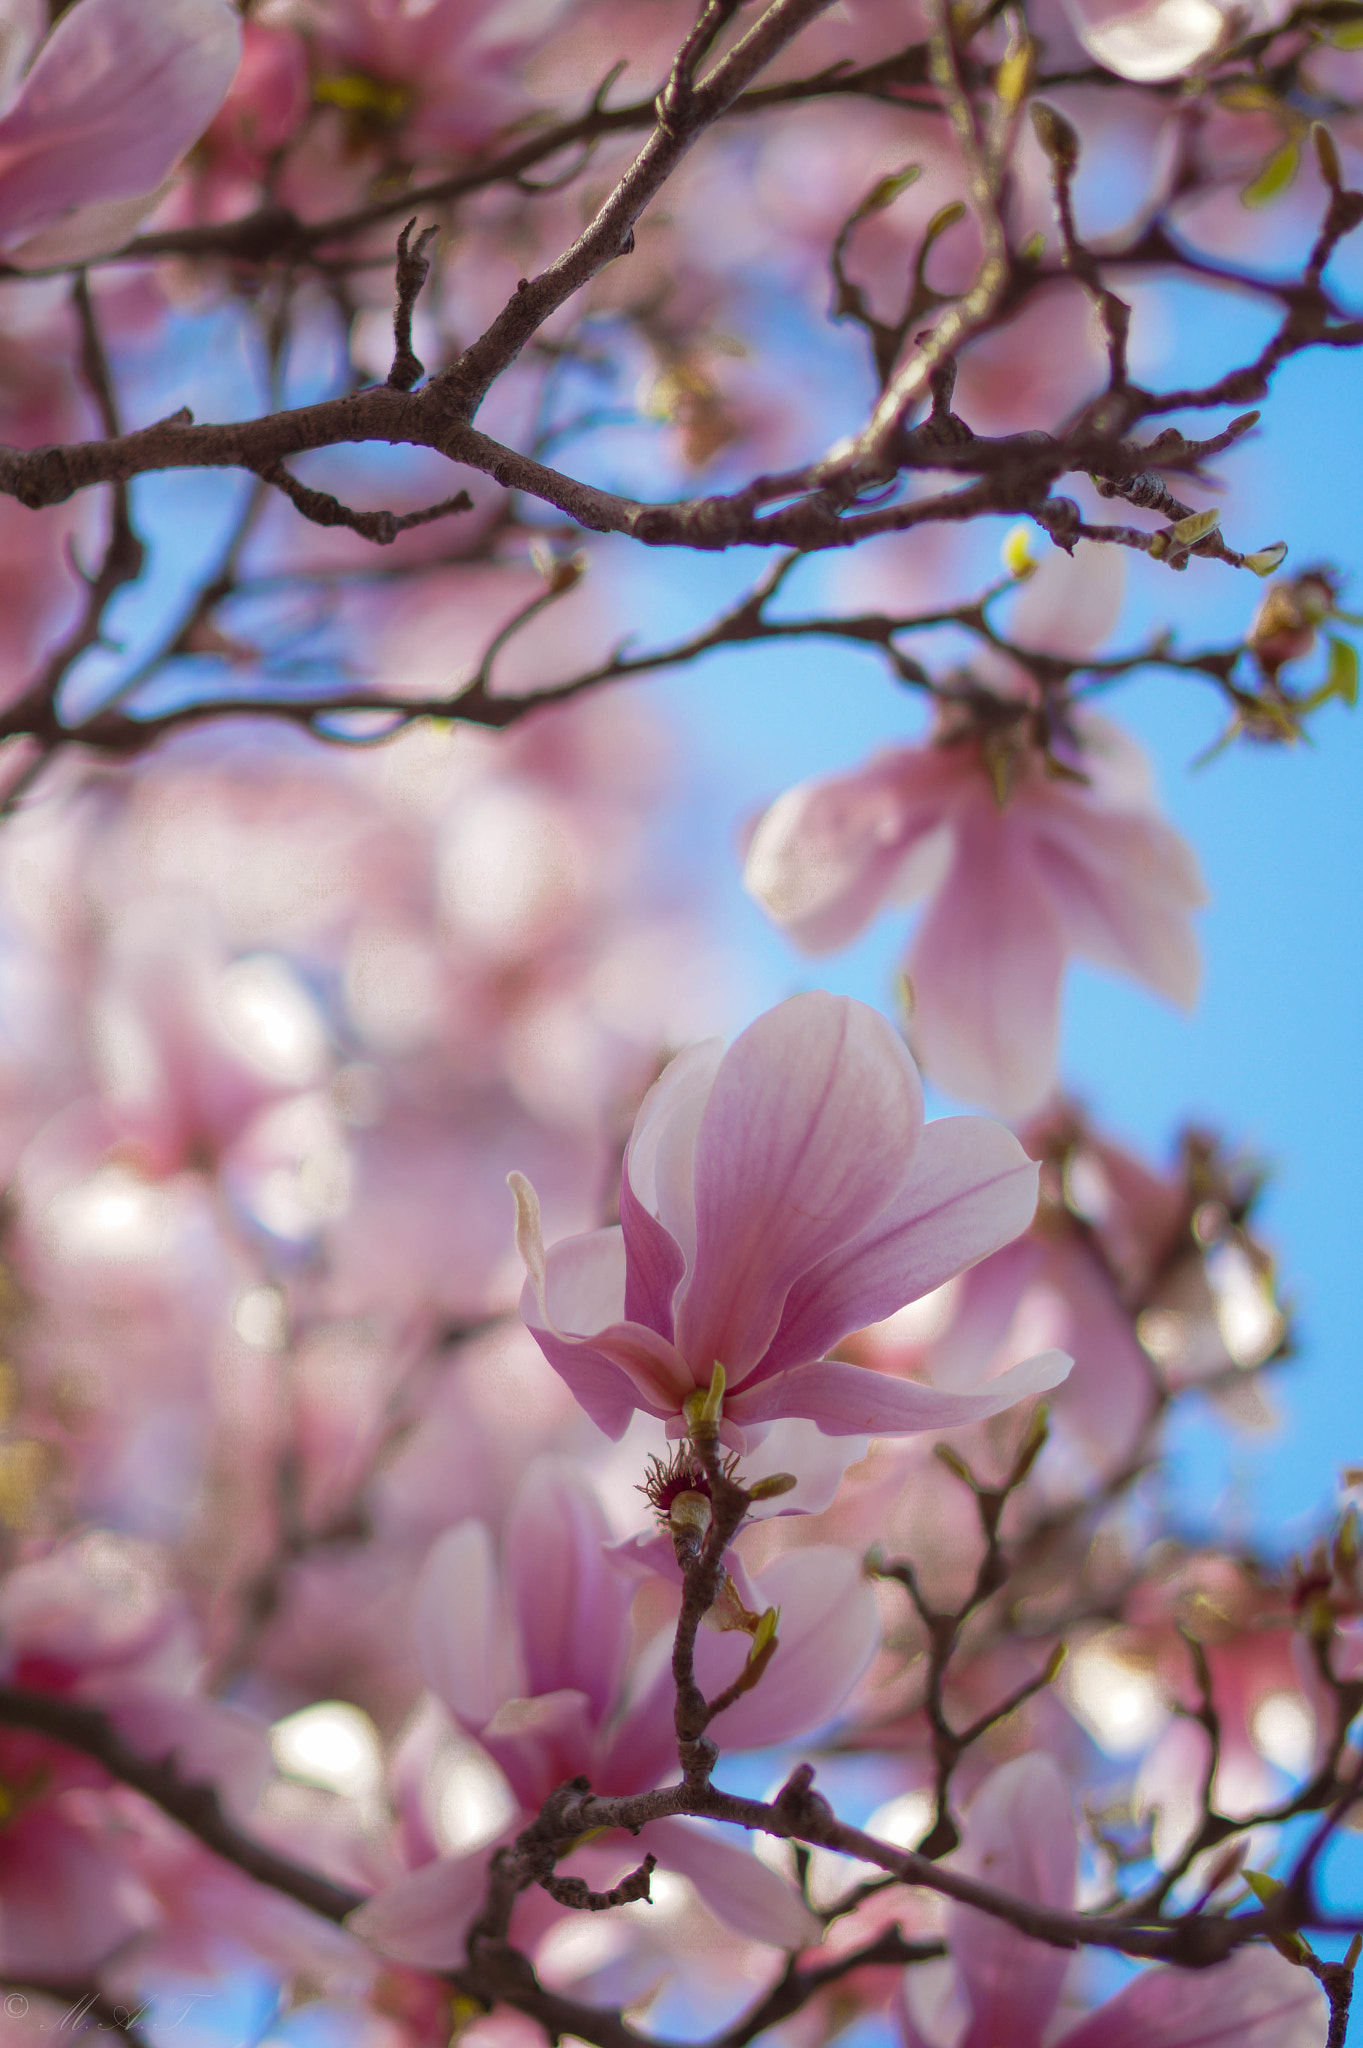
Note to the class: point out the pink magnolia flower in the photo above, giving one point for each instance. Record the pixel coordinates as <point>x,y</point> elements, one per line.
<point>1002,1990</point>
<point>531,1653</point>
<point>109,105</point>
<point>774,1198</point>
<point>1026,855</point>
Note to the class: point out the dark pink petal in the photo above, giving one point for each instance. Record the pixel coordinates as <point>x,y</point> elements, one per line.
<point>571,1605</point>
<point>829,1631</point>
<point>115,97</point>
<point>742,1893</point>
<point>1019,1836</point>
<point>986,968</point>
<point>851,1400</point>
<point>541,1742</point>
<point>971,1188</point>
<point>809,1132</point>
<point>1254,1999</point>
<point>828,854</point>
<point>654,1262</point>
<point>422,1918</point>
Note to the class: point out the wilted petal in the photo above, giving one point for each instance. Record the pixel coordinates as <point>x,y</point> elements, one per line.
<point>115,97</point>
<point>742,1893</point>
<point>851,1400</point>
<point>809,1131</point>
<point>829,1631</point>
<point>1158,41</point>
<point>571,1604</point>
<point>424,1917</point>
<point>464,1645</point>
<point>986,968</point>
<point>1019,1836</point>
<point>825,856</point>
<point>971,1188</point>
<point>1255,1999</point>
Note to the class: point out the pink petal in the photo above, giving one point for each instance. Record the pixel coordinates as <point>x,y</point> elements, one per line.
<point>1255,1999</point>
<point>1072,603</point>
<point>115,97</point>
<point>851,1400</point>
<point>826,855</point>
<point>1020,1836</point>
<point>808,1133</point>
<point>571,1605</point>
<point>1123,886</point>
<point>541,1742</point>
<point>662,1148</point>
<point>464,1646</point>
<point>743,1894</point>
<point>986,968</point>
<point>424,1917</point>
<point>828,1633</point>
<point>572,1305</point>
<point>971,1188</point>
<point>654,1262</point>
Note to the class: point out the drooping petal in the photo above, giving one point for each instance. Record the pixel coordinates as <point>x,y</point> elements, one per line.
<point>986,968</point>
<point>971,1188</point>
<point>464,1644</point>
<point>571,1605</point>
<point>423,1917</point>
<point>1123,886</point>
<point>851,1400</point>
<point>1255,1999</point>
<point>826,855</point>
<point>743,1894</point>
<point>808,1133</point>
<point>115,97</point>
<point>829,1631</point>
<point>1019,1836</point>
<point>573,1303</point>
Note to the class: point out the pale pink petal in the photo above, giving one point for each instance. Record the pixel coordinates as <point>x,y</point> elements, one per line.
<point>1123,886</point>
<point>851,1400</point>
<point>971,1188</point>
<point>1255,1999</point>
<point>210,1741</point>
<point>662,1147</point>
<point>115,97</point>
<point>1020,1836</point>
<point>808,1133</point>
<point>571,1605</point>
<point>986,968</point>
<point>743,1894</point>
<point>826,855</point>
<point>464,1646</point>
<point>1072,602</point>
<point>1160,40</point>
<point>829,1631</point>
<point>424,1917</point>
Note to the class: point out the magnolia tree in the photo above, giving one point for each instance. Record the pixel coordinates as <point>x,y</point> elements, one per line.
<point>517,1522</point>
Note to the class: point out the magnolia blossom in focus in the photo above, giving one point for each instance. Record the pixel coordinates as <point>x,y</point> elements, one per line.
<point>775,1197</point>
<point>1002,1989</point>
<point>109,105</point>
<point>1026,854</point>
